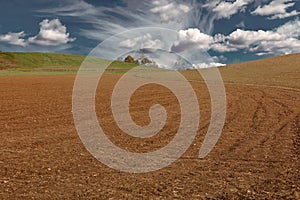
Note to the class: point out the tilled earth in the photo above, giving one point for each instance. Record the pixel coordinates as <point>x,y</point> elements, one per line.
<point>42,156</point>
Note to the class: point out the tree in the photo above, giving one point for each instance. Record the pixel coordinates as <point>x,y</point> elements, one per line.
<point>129,59</point>
<point>145,61</point>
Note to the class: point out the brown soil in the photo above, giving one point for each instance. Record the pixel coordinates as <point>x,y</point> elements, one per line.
<point>42,156</point>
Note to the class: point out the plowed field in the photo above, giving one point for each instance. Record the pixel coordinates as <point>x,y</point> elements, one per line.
<point>42,156</point>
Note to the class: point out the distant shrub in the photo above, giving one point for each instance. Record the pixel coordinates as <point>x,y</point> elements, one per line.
<point>129,59</point>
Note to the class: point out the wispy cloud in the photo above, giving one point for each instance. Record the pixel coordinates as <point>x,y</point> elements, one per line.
<point>194,20</point>
<point>107,21</point>
<point>174,14</point>
<point>277,9</point>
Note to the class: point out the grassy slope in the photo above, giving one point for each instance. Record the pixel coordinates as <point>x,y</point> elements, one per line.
<point>29,61</point>
<point>47,63</point>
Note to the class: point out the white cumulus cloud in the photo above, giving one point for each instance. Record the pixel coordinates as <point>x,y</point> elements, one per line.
<point>142,42</point>
<point>276,9</point>
<point>242,39</point>
<point>277,47</point>
<point>192,38</point>
<point>207,65</point>
<point>52,33</point>
<point>226,9</point>
<point>14,39</point>
<point>280,41</point>
<point>218,47</point>
<point>290,29</point>
<point>169,11</point>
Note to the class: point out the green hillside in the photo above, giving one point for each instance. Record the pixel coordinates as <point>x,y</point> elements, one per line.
<point>12,63</point>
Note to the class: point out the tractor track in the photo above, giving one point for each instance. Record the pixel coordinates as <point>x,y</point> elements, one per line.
<point>256,157</point>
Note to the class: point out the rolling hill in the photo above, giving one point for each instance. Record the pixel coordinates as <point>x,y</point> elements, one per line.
<point>17,63</point>
<point>282,71</point>
<point>29,61</point>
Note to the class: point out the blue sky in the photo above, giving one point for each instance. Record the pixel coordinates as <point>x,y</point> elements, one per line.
<point>230,31</point>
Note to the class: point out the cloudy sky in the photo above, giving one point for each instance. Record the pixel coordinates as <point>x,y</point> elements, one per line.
<point>230,31</point>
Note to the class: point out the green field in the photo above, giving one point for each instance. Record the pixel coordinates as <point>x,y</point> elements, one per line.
<point>49,64</point>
